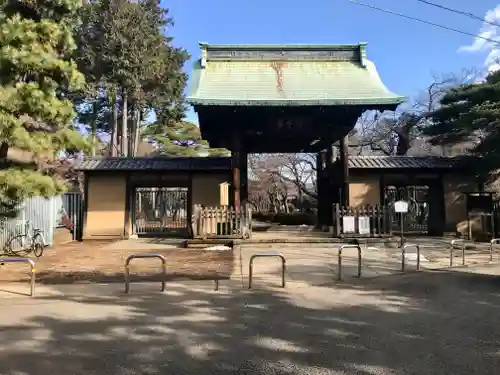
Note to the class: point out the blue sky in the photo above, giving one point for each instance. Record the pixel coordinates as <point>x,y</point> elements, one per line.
<point>405,52</point>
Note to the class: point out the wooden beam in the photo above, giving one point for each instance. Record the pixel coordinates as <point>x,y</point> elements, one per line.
<point>344,160</point>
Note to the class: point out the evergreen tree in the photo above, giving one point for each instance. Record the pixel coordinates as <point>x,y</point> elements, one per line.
<point>132,69</point>
<point>471,113</point>
<point>36,76</point>
<point>181,139</point>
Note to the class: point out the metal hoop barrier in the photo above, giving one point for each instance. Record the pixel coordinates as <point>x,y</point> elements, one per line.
<point>32,270</point>
<point>403,254</point>
<point>453,245</point>
<point>341,270</point>
<point>494,241</point>
<point>267,255</point>
<point>143,256</point>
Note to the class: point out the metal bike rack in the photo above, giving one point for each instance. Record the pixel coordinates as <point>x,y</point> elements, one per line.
<point>143,256</point>
<point>341,271</point>
<point>403,253</point>
<point>32,270</point>
<point>494,241</point>
<point>267,255</point>
<point>453,245</point>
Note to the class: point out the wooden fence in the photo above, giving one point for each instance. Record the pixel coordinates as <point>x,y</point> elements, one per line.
<point>367,221</point>
<point>222,222</point>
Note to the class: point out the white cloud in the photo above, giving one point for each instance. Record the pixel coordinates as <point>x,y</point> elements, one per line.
<point>488,31</point>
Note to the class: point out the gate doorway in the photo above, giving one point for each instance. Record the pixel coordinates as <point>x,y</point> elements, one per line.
<point>417,218</point>
<point>161,211</point>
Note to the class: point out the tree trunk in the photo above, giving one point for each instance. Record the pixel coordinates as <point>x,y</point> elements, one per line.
<point>137,123</point>
<point>4,150</point>
<point>404,141</point>
<point>114,125</point>
<point>124,124</point>
<point>131,129</point>
<point>93,129</point>
<point>134,131</point>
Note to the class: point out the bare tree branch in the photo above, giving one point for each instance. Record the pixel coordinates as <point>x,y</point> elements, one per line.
<point>394,133</point>
<point>276,178</point>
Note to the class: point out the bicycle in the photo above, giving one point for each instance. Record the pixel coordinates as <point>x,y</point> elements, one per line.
<point>36,242</point>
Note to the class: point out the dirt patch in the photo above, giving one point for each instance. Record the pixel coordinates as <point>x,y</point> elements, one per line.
<point>97,261</point>
<point>62,236</point>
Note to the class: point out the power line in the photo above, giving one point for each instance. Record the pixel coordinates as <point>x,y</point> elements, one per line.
<point>424,21</point>
<point>458,11</point>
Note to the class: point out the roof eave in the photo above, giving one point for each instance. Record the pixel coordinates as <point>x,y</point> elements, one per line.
<point>394,101</point>
<point>201,170</point>
<point>403,168</point>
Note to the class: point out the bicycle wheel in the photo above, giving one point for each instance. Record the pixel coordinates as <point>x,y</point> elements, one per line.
<point>37,245</point>
<point>18,245</point>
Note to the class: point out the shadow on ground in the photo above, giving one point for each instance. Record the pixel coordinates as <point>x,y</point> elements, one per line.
<point>72,277</point>
<point>430,323</point>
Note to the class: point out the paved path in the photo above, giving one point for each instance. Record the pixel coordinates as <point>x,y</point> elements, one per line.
<point>317,264</point>
<point>426,323</point>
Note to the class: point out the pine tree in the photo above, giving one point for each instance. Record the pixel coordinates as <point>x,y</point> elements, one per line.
<point>182,138</point>
<point>471,113</point>
<point>36,76</point>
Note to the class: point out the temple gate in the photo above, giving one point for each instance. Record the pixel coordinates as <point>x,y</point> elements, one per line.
<point>286,98</point>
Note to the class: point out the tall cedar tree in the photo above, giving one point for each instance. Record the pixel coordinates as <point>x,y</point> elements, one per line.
<point>131,68</point>
<point>36,74</point>
<point>471,112</point>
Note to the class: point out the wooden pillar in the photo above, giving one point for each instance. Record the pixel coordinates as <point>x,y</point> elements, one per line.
<point>129,206</point>
<point>329,189</point>
<point>344,160</point>
<point>190,210</point>
<point>235,165</point>
<point>85,207</point>
<point>320,182</point>
<point>243,177</point>
<point>437,216</point>
<point>381,187</point>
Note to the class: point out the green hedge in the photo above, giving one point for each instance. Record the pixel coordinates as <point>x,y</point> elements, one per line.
<point>294,218</point>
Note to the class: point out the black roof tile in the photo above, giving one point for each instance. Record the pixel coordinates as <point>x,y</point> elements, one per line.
<point>156,163</point>
<point>224,163</point>
<point>404,162</point>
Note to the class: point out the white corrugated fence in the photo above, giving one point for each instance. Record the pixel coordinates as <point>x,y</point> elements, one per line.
<point>47,214</point>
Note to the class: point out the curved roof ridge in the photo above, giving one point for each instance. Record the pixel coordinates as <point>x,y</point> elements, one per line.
<point>282,46</point>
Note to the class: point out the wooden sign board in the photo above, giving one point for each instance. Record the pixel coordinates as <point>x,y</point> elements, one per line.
<point>348,223</point>
<point>401,206</point>
<point>224,194</point>
<point>364,225</point>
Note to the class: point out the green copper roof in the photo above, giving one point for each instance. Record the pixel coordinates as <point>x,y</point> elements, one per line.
<point>283,75</point>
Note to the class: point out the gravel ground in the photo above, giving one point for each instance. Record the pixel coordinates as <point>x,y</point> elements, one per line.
<point>427,323</point>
